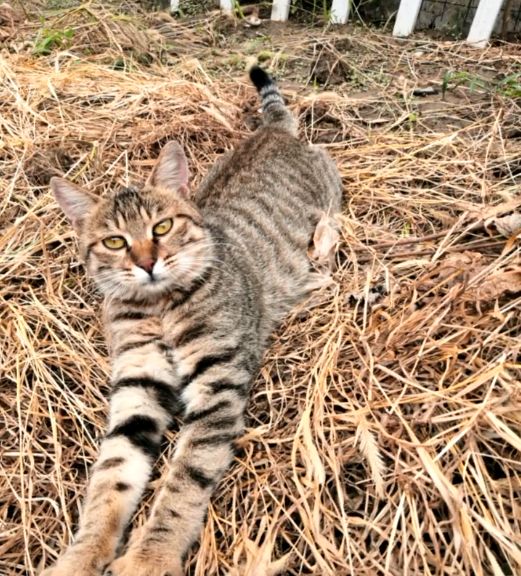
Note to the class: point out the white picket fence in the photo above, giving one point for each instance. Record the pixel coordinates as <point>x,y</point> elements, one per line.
<point>480,31</point>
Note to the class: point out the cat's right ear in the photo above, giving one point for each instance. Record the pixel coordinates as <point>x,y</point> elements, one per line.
<point>74,201</point>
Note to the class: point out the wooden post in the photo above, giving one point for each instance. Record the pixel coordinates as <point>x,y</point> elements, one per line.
<point>280,10</point>
<point>406,17</point>
<point>484,22</point>
<point>227,6</point>
<point>340,11</point>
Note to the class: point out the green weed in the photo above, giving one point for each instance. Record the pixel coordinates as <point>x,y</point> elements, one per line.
<point>453,79</point>
<point>238,10</point>
<point>48,39</point>
<point>312,8</point>
<point>510,86</point>
<point>264,55</point>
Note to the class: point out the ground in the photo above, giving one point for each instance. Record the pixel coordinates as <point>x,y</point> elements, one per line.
<point>384,431</point>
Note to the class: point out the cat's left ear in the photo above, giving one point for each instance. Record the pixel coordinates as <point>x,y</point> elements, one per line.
<point>171,169</point>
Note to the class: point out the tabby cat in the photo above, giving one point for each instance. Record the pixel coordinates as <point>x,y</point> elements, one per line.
<point>194,285</point>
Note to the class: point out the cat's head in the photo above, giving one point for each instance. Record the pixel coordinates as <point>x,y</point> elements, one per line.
<point>140,243</point>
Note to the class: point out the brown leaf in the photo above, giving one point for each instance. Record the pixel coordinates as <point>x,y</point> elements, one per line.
<point>454,269</point>
<point>498,284</point>
<point>509,225</point>
<point>462,269</point>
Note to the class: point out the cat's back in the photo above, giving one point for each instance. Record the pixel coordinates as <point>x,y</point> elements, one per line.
<point>276,167</point>
<point>266,198</point>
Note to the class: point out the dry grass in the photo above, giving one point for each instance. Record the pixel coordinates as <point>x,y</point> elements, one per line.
<point>384,436</point>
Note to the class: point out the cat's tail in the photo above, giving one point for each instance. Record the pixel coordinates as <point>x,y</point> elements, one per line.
<point>274,109</point>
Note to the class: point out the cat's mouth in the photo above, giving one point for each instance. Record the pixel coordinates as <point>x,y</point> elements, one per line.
<point>156,283</point>
<point>149,282</point>
<point>153,281</point>
<point>154,275</point>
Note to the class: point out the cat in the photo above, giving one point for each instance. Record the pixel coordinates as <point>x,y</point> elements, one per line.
<point>194,285</point>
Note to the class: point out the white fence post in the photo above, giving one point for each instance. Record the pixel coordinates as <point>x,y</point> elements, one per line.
<point>406,17</point>
<point>484,22</point>
<point>174,6</point>
<point>227,6</point>
<point>480,31</point>
<point>340,11</point>
<point>280,10</point>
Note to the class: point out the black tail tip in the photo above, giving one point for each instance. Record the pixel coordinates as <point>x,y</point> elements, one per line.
<point>259,77</point>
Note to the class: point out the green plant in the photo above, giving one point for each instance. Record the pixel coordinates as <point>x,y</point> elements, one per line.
<point>510,86</point>
<point>326,11</point>
<point>235,61</point>
<point>264,55</point>
<point>459,78</point>
<point>312,8</point>
<point>238,10</point>
<point>48,39</point>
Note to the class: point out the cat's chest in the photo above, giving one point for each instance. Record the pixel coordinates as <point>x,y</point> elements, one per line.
<point>130,329</point>
<point>143,344</point>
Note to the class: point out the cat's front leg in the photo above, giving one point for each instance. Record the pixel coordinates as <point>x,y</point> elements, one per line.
<point>138,418</point>
<point>205,449</point>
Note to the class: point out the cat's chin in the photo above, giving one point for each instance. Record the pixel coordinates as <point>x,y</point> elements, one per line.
<point>155,289</point>
<point>140,291</point>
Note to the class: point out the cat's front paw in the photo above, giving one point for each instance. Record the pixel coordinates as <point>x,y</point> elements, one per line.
<point>79,560</point>
<point>138,562</point>
<point>65,567</point>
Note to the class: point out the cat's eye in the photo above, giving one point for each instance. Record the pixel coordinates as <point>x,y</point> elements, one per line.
<point>161,228</point>
<point>114,242</point>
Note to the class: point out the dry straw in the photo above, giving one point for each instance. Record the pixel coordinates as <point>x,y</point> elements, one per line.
<point>384,431</point>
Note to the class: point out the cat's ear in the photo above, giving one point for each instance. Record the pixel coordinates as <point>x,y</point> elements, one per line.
<point>74,201</point>
<point>171,169</point>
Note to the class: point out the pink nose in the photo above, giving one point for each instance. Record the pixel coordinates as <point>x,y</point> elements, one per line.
<point>147,264</point>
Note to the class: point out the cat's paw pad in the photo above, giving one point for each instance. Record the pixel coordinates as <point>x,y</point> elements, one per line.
<point>144,563</point>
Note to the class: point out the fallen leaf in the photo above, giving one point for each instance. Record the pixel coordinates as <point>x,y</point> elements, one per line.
<point>453,269</point>
<point>509,225</point>
<point>498,284</point>
<point>462,270</point>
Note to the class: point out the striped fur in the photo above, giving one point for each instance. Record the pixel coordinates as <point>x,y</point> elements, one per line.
<point>274,111</point>
<point>188,337</point>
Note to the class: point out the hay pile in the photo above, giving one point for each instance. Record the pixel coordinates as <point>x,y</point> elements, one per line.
<point>385,428</point>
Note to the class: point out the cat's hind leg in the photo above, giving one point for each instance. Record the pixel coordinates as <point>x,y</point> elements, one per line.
<point>323,244</point>
<point>321,252</point>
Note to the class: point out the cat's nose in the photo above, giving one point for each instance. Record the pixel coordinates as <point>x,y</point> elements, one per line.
<point>147,264</point>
